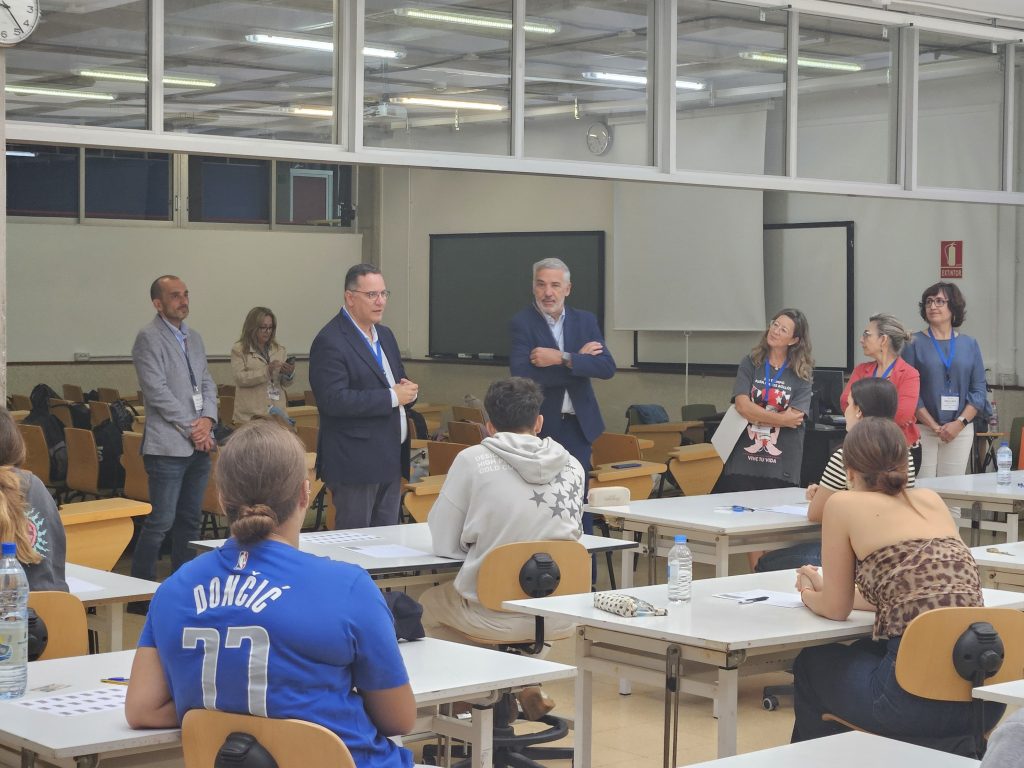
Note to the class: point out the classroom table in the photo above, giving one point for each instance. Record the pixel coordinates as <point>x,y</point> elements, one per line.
<point>713,536</point>
<point>440,672</point>
<point>109,593</point>
<point>1010,692</point>
<point>98,531</point>
<point>845,750</point>
<point>710,639</point>
<point>401,569</point>
<point>1001,565</point>
<point>977,494</point>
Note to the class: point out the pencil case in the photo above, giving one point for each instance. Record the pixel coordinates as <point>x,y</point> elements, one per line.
<point>625,605</point>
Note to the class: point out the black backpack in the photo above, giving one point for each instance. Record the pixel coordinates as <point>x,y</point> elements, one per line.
<point>53,430</point>
<point>109,448</point>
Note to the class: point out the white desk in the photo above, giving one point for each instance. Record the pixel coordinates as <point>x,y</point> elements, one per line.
<point>714,536</point>
<point>1001,571</point>
<point>713,637</point>
<point>109,593</point>
<point>846,750</point>
<point>440,672</point>
<point>1011,692</point>
<point>394,571</point>
<point>980,494</point>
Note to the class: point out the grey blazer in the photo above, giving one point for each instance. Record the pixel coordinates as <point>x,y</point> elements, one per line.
<point>167,388</point>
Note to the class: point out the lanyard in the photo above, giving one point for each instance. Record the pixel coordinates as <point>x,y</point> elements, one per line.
<point>188,364</point>
<point>375,349</point>
<point>947,363</point>
<point>769,381</point>
<point>887,370</point>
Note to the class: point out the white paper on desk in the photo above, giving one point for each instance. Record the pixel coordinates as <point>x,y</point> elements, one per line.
<point>779,599</point>
<point>81,586</point>
<point>728,432</point>
<point>386,551</point>
<point>79,702</point>
<point>797,510</point>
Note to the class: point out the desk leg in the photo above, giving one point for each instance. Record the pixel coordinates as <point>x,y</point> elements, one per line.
<point>583,722</point>
<point>625,686</point>
<point>87,761</point>
<point>110,626</point>
<point>652,554</point>
<point>482,737</point>
<point>1012,527</point>
<point>721,556</point>
<point>673,673</point>
<point>726,698</point>
<point>28,758</point>
<point>975,524</point>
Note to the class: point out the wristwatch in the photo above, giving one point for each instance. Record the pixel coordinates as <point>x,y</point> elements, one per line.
<point>566,358</point>
<point>963,420</point>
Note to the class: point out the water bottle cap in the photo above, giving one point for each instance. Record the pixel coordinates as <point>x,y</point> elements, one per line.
<point>680,538</point>
<point>1004,444</point>
<point>10,549</point>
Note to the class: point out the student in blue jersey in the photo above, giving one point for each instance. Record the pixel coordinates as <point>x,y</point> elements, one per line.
<point>258,627</point>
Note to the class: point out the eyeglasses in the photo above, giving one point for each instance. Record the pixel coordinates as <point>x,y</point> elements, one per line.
<point>935,301</point>
<point>265,328</point>
<point>373,295</point>
<point>867,335</point>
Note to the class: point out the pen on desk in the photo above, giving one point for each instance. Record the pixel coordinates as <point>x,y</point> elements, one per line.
<point>754,600</point>
<point>115,680</point>
<point>738,508</point>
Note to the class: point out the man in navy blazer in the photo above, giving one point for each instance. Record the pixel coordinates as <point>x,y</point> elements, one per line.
<point>562,349</point>
<point>361,391</point>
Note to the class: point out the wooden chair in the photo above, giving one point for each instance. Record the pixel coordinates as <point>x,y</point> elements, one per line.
<point>441,455</point>
<point>308,435</point>
<point>99,412</point>
<point>466,432</point>
<point>226,409</point>
<point>419,497</point>
<point>1016,437</point>
<point>695,468</point>
<point>468,413</point>
<point>37,454</point>
<point>612,448</point>
<point>59,408</point>
<point>212,512</point>
<point>136,481</point>
<point>67,628</point>
<point>108,394</point>
<point>83,464</point>
<point>226,390</point>
<point>697,411</point>
<point>20,403</point>
<point>98,531</point>
<point>73,393</point>
<point>292,743</point>
<point>309,398</point>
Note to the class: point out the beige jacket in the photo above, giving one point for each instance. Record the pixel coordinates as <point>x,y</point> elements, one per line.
<point>251,381</point>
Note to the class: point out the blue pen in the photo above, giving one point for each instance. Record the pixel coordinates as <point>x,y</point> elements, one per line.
<point>115,680</point>
<point>738,508</point>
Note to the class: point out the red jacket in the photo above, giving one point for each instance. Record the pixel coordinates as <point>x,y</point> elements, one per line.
<point>907,381</point>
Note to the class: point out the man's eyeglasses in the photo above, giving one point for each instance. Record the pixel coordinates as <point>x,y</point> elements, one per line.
<point>935,301</point>
<point>373,295</point>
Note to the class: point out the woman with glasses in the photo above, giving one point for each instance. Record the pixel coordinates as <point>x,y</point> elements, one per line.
<point>953,389</point>
<point>261,368</point>
<point>882,341</point>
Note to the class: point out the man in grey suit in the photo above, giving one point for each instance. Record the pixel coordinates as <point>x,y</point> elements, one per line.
<point>181,411</point>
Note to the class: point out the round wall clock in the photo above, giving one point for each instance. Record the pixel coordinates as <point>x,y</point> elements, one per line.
<point>18,19</point>
<point>599,138</point>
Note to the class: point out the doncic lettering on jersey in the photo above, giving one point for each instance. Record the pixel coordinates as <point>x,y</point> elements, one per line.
<point>226,593</point>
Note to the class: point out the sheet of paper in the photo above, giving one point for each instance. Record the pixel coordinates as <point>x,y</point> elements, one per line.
<point>337,537</point>
<point>797,510</point>
<point>728,432</point>
<point>79,702</point>
<point>81,586</point>
<point>385,551</point>
<point>765,597</point>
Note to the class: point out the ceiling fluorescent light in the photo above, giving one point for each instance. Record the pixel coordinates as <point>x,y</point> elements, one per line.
<point>27,90</point>
<point>802,61</point>
<point>372,50</point>
<point>375,51</point>
<point>614,77</point>
<point>423,101</point>
<point>486,21</point>
<point>139,77</point>
<point>19,153</point>
<point>312,111</point>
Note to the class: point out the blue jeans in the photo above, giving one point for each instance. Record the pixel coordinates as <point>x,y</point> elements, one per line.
<point>858,683</point>
<point>176,488</point>
<point>790,558</point>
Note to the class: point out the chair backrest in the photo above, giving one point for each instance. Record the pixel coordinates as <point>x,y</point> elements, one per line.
<point>108,394</point>
<point>37,454</point>
<point>697,411</point>
<point>83,463</point>
<point>1016,436</point>
<point>211,502</point>
<point>308,397</point>
<point>66,624</point>
<point>468,432</point>
<point>136,481</point>
<point>74,393</point>
<point>226,390</point>
<point>498,579</point>
<point>226,409</point>
<point>292,743</point>
<point>20,403</point>
<point>98,412</point>
<point>611,447</point>
<point>468,413</point>
<point>308,435</point>
<point>59,408</point>
<point>441,455</point>
<point>924,664</point>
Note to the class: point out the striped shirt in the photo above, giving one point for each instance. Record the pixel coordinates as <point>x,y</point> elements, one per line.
<point>834,476</point>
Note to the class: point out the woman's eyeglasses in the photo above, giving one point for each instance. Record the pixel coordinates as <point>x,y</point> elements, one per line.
<point>935,301</point>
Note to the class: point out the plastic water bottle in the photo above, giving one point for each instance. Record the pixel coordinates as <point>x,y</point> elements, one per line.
<point>1004,459</point>
<point>13,624</point>
<point>680,571</point>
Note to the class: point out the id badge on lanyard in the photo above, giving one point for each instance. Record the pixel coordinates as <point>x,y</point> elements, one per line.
<point>197,400</point>
<point>273,392</point>
<point>949,400</point>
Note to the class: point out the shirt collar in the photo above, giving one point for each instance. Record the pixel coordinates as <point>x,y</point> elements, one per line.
<point>552,321</point>
<point>181,334</point>
<point>373,328</point>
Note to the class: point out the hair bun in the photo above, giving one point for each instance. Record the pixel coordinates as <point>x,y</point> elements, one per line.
<point>255,510</point>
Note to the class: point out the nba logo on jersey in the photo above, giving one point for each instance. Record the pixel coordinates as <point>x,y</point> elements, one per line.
<point>243,559</point>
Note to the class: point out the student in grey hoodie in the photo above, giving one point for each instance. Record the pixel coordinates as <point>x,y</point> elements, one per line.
<point>512,487</point>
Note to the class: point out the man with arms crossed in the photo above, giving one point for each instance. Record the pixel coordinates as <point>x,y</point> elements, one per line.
<point>361,391</point>
<point>181,411</point>
<point>562,349</point>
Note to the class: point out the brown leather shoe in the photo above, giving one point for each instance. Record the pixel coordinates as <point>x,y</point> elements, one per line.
<point>534,702</point>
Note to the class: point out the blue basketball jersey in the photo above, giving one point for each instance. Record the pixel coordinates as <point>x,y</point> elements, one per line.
<point>271,631</point>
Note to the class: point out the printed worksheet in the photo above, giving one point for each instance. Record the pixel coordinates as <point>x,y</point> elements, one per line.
<point>79,702</point>
<point>337,537</point>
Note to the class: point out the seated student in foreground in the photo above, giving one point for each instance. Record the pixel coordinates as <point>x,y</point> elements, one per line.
<point>28,514</point>
<point>901,549</point>
<point>291,635</point>
<point>867,397</point>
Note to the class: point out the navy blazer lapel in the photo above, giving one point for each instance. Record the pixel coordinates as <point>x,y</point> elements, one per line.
<point>357,341</point>
<point>544,328</point>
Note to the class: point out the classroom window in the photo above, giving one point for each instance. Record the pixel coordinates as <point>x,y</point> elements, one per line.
<point>228,190</point>
<point>42,180</point>
<point>127,185</point>
<point>314,194</point>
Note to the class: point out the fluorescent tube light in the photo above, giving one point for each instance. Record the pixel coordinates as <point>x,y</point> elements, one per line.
<point>139,77</point>
<point>372,50</point>
<point>27,90</point>
<point>486,21</point>
<point>614,77</point>
<point>19,153</point>
<point>423,101</point>
<point>312,111</point>
<point>802,61</point>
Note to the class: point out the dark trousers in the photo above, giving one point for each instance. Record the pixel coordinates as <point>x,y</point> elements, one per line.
<point>858,683</point>
<point>567,433</point>
<point>361,505</point>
